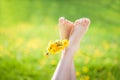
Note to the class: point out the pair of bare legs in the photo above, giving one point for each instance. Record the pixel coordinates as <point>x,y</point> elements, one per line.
<point>74,32</point>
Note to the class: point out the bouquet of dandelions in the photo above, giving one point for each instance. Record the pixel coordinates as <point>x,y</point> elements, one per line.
<point>56,46</point>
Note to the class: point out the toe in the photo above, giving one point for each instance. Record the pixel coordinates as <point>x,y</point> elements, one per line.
<point>77,22</point>
<point>85,21</point>
<point>68,23</point>
<point>61,20</point>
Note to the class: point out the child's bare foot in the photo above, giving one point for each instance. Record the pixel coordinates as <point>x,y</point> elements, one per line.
<point>81,27</point>
<point>65,27</point>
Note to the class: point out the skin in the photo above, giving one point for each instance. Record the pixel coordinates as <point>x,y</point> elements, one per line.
<point>65,68</point>
<point>65,27</point>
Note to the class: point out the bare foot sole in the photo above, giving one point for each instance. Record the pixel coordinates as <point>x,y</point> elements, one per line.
<point>65,27</point>
<point>81,27</point>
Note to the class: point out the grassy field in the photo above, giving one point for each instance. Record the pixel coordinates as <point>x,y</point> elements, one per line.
<point>26,30</point>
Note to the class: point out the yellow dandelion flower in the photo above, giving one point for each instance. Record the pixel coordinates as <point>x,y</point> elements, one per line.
<point>49,49</point>
<point>58,42</point>
<point>53,51</point>
<point>86,77</point>
<point>78,73</point>
<point>53,45</point>
<point>65,42</point>
<point>61,47</point>
<point>85,69</point>
<point>58,49</point>
<point>98,53</point>
<point>82,78</point>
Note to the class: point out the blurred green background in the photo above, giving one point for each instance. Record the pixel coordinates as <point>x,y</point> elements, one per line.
<point>26,26</point>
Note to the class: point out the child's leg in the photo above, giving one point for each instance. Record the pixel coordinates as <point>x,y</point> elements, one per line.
<point>72,72</point>
<point>65,27</point>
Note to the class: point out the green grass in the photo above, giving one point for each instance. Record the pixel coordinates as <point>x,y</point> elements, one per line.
<point>26,30</point>
<point>22,53</point>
